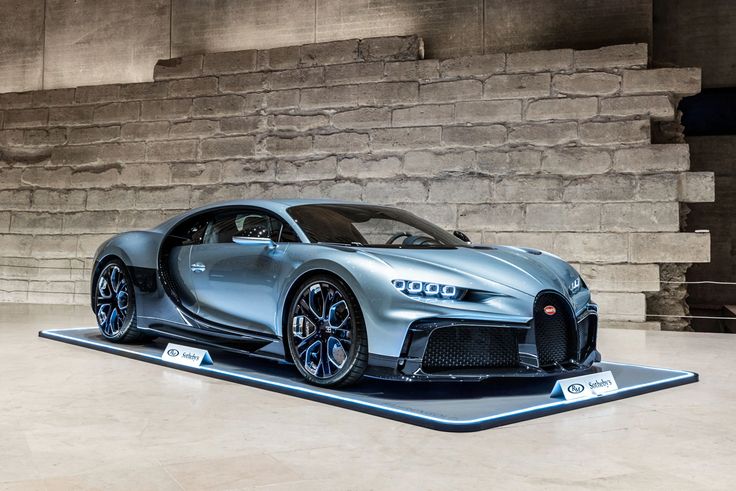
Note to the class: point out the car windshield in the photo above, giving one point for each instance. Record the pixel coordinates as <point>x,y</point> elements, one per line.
<point>369,226</point>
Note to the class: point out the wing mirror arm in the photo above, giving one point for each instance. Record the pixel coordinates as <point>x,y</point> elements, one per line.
<point>255,241</point>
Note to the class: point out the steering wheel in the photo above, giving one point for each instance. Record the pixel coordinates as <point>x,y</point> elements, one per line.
<point>395,236</point>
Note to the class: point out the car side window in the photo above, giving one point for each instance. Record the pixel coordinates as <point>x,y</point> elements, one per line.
<point>223,227</point>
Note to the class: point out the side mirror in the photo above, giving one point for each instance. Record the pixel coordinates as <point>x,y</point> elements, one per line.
<point>255,241</point>
<point>462,236</point>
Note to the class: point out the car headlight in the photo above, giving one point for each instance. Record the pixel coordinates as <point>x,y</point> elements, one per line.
<point>427,289</point>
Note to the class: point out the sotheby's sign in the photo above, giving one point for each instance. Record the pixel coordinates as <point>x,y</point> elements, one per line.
<point>595,384</point>
<point>185,355</point>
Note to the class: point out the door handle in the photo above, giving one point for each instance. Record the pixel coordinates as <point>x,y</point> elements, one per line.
<point>198,267</point>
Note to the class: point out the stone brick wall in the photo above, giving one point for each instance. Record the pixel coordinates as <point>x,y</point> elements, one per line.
<point>547,149</point>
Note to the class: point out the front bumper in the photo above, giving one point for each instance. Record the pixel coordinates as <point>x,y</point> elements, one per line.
<point>521,359</point>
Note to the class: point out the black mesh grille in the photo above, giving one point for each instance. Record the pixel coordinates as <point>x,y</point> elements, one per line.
<point>470,347</point>
<point>556,339</point>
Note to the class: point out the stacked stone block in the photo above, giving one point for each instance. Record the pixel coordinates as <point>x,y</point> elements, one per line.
<point>548,149</point>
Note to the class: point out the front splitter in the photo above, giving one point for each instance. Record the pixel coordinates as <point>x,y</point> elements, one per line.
<point>455,406</point>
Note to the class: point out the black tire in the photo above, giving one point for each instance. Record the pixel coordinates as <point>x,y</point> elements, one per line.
<point>113,300</point>
<point>324,359</point>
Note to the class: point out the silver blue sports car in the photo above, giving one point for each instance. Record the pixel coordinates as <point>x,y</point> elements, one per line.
<point>345,289</point>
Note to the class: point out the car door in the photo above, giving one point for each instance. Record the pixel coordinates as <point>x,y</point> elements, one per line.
<point>186,236</point>
<point>236,284</point>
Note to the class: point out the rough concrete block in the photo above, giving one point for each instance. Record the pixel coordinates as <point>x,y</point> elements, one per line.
<point>15,199</point>
<point>75,155</point>
<point>154,130</point>
<point>94,134</point>
<point>369,117</point>
<point>680,81</point>
<point>576,161</point>
<point>244,170</point>
<point>528,189</point>
<point>299,123</point>
<point>591,247</point>
<point>670,248</point>
<point>474,136</point>
<point>424,115</point>
<point>25,118</point>
<point>171,151</point>
<point>604,187</point>
<point>481,66</point>
<point>517,86</point>
<point>61,200</point>
<point>425,163</point>
<point>388,93</point>
<point>339,96</point>
<point>369,168</point>
<point>412,70</point>
<point>117,112</point>
<point>561,109</point>
<point>193,87</point>
<point>299,145</point>
<point>298,78</point>
<point>457,90</point>
<point>641,217</point>
<point>229,62</point>
<point>615,132</point>
<point>652,158</point>
<point>629,307</point>
<point>34,223</point>
<point>309,170</point>
<point>72,115</point>
<point>341,143</point>
<point>656,106</point>
<point>222,105</point>
<point>395,191</point>
<point>488,111</point>
<point>447,190</point>
<point>696,187</point>
<point>145,175</point>
<point>162,198</point>
<point>621,277</point>
<point>111,199</point>
<point>43,137</point>
<point>618,56</point>
<point>278,58</point>
<point>51,98</point>
<point>226,148</point>
<point>352,73</point>
<point>391,48</point>
<point>243,124</point>
<point>92,94</point>
<point>539,61</point>
<point>658,187</point>
<point>85,222</point>
<point>395,138</point>
<point>144,91</point>
<point>280,99</point>
<point>182,67</point>
<point>170,109</point>
<point>494,217</point>
<point>549,134</point>
<point>594,83</point>
<point>329,53</point>
<point>498,162</point>
<point>195,173</point>
<point>197,128</point>
<point>563,217</point>
<point>243,82</point>
<point>16,100</point>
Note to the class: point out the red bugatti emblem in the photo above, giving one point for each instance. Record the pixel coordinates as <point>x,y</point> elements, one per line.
<point>550,310</point>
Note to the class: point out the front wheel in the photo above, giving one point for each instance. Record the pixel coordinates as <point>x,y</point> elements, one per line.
<point>326,333</point>
<point>114,303</point>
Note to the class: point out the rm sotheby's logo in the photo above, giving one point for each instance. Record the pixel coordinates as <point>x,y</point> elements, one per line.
<point>190,356</point>
<point>599,384</point>
<point>575,388</point>
<point>173,352</point>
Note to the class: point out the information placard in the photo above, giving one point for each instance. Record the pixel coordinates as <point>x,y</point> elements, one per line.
<point>186,355</point>
<point>594,384</point>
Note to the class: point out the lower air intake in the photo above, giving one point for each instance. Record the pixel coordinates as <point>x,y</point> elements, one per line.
<point>470,347</point>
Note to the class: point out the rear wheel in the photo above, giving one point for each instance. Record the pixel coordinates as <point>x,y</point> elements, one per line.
<point>114,303</point>
<point>326,333</point>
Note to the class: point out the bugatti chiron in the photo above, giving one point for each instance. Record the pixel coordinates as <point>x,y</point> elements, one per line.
<point>344,289</point>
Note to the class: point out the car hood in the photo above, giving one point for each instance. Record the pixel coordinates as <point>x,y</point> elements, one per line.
<point>488,268</point>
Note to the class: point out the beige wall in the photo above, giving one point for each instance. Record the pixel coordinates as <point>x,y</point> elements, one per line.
<point>63,43</point>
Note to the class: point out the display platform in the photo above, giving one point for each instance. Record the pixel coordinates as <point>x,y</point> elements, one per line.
<point>459,406</point>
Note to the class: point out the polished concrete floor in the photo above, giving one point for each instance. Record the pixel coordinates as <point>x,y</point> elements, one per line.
<point>72,418</point>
